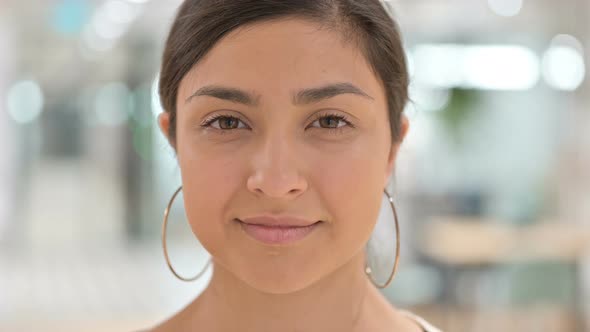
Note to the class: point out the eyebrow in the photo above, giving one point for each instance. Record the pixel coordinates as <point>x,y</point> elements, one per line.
<point>302,97</point>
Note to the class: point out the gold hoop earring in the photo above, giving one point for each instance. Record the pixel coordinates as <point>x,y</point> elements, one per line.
<point>164,225</point>
<point>368,270</point>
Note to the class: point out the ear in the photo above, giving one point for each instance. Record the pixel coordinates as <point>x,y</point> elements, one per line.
<point>164,124</point>
<point>405,126</point>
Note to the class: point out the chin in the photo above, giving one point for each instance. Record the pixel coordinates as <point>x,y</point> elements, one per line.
<point>279,274</point>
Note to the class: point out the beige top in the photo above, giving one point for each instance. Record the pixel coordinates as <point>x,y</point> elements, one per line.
<point>426,326</point>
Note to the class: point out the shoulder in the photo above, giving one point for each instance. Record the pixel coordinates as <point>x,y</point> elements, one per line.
<point>426,326</point>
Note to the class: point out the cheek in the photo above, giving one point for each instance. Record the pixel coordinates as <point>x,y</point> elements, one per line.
<point>208,183</point>
<point>350,185</point>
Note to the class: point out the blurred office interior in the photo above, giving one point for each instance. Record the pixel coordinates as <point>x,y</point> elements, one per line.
<point>492,184</point>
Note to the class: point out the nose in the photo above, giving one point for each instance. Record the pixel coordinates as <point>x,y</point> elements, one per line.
<point>276,169</point>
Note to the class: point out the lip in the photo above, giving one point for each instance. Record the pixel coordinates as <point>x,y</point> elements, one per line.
<point>275,230</point>
<point>278,221</point>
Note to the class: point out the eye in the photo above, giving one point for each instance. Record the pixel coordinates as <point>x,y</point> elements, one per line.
<point>332,121</point>
<point>225,122</point>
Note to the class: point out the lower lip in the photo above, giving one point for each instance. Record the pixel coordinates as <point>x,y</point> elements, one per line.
<point>278,235</point>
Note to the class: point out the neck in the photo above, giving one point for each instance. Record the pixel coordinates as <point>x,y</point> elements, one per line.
<point>336,302</point>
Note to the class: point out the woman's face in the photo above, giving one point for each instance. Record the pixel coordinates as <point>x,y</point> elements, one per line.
<point>283,147</point>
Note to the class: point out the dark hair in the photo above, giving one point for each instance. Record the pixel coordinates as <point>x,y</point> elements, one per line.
<point>199,24</point>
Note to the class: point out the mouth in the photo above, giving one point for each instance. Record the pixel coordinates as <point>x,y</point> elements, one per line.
<point>278,234</point>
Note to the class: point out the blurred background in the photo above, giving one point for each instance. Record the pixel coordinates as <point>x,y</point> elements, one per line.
<point>492,184</point>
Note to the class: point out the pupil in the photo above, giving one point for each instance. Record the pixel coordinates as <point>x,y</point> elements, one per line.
<point>328,120</point>
<point>229,122</point>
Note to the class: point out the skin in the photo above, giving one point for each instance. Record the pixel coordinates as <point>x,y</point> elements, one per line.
<point>280,158</point>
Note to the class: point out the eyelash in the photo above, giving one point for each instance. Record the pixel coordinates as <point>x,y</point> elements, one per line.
<point>338,117</point>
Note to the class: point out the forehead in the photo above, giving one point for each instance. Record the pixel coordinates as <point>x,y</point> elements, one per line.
<point>279,56</point>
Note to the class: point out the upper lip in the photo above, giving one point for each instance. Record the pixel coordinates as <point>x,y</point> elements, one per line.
<point>278,220</point>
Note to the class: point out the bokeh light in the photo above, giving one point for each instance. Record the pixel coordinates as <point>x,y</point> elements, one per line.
<point>506,8</point>
<point>563,63</point>
<point>25,101</point>
<point>486,67</point>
